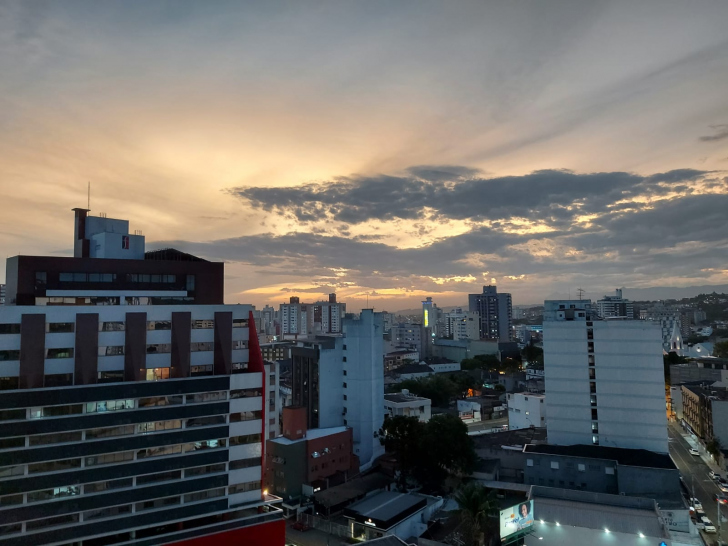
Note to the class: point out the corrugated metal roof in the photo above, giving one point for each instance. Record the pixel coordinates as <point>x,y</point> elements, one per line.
<point>598,516</point>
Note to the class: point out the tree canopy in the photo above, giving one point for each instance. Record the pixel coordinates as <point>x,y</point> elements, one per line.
<point>720,349</point>
<point>429,452</point>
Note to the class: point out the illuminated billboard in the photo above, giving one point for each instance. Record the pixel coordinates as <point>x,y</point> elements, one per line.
<point>516,518</point>
<point>427,318</point>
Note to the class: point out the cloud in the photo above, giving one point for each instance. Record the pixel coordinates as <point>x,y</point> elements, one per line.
<point>640,231</point>
<point>552,196</point>
<point>721,132</point>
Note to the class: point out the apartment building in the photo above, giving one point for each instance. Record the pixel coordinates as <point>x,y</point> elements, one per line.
<point>604,379</point>
<point>124,423</point>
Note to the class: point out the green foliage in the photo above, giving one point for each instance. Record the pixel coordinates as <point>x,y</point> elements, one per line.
<point>533,355</point>
<point>499,387</point>
<point>478,508</point>
<point>428,452</point>
<point>464,382</point>
<point>481,362</point>
<point>437,388</point>
<point>720,349</point>
<point>713,447</point>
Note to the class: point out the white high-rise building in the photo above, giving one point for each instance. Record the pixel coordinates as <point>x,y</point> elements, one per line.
<point>304,319</point>
<point>615,306</point>
<point>604,379</point>
<point>462,324</point>
<point>340,380</point>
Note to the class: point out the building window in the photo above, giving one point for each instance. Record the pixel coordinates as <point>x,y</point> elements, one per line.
<point>595,440</point>
<point>201,346</point>
<point>159,325</point>
<point>240,323</point>
<point>157,374</point>
<point>243,487</point>
<point>9,355</point>
<point>581,468</point>
<point>203,324</point>
<point>595,427</point>
<point>240,344</point>
<point>60,353</point>
<point>60,327</point>
<point>208,396</point>
<point>190,283</point>
<point>609,470</point>
<point>595,415</point>
<point>111,350</point>
<point>593,400</point>
<point>156,348</point>
<point>200,370</point>
<point>592,373</point>
<point>529,462</point>
<point>554,465</point>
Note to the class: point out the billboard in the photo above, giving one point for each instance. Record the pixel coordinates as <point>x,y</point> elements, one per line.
<point>516,518</point>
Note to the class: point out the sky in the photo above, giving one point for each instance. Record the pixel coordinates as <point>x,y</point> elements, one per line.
<point>387,151</point>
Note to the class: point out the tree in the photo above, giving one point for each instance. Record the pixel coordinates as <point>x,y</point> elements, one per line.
<point>714,448</point>
<point>400,435</point>
<point>477,508</point>
<point>481,362</point>
<point>464,382</point>
<point>435,387</point>
<point>428,452</point>
<point>445,449</point>
<point>533,355</point>
<point>720,349</point>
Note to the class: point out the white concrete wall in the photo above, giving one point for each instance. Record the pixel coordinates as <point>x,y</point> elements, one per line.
<point>365,383</point>
<point>629,378</point>
<point>525,410</point>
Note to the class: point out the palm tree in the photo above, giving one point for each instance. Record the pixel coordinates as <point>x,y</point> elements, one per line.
<point>477,506</point>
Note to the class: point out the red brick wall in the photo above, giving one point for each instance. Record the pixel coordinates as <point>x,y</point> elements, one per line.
<point>329,463</point>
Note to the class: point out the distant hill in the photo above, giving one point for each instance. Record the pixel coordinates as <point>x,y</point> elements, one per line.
<point>671,292</point>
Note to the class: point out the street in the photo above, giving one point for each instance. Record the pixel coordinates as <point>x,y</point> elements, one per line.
<point>694,471</point>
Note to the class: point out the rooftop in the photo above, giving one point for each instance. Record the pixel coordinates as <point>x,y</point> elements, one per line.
<point>414,368</point>
<point>353,489</point>
<point>708,392</point>
<point>387,508</point>
<point>438,360</point>
<point>400,398</point>
<point>624,457</point>
<point>311,434</point>
<point>597,511</point>
<point>171,254</point>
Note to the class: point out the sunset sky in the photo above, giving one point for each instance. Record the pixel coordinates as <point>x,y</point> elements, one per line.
<point>390,149</point>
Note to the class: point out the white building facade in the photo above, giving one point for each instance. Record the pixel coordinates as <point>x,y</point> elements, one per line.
<point>526,410</point>
<point>408,405</point>
<point>604,381</point>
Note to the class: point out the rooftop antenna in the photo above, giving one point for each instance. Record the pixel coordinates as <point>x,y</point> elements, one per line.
<point>88,206</point>
<point>581,292</point>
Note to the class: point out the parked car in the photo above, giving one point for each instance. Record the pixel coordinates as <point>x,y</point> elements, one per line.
<point>714,475</point>
<point>694,451</point>
<point>699,524</point>
<point>695,503</point>
<point>708,526</point>
<point>300,526</point>
<point>723,487</point>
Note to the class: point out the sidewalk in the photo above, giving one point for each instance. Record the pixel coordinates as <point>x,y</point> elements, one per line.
<point>695,444</point>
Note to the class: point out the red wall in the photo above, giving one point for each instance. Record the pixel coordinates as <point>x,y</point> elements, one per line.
<point>265,534</point>
<point>334,464</point>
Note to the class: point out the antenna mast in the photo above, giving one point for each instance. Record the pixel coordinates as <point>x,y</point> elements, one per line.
<point>89,196</point>
<point>581,292</point>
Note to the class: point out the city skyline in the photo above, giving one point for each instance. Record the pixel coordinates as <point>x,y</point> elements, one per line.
<point>383,152</point>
